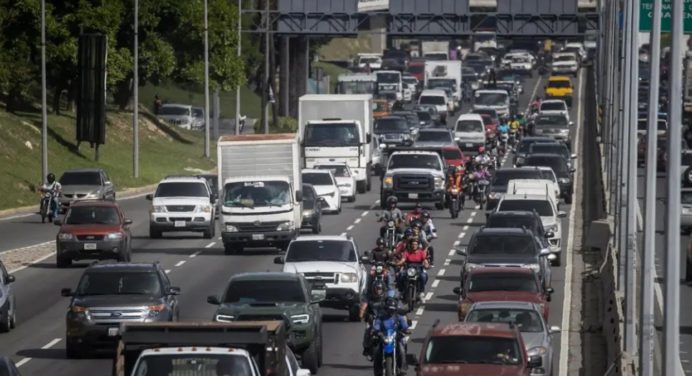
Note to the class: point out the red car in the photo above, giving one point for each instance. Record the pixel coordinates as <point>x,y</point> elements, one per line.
<point>93,229</point>
<point>475,349</point>
<point>502,284</point>
<point>453,156</point>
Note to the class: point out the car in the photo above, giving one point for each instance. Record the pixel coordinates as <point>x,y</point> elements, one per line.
<point>521,219</point>
<point>8,301</point>
<point>686,168</point>
<point>179,115</point>
<point>436,137</point>
<point>565,63</point>
<point>522,149</point>
<point>374,61</point>
<point>686,215</point>
<point>453,156</point>
<point>556,126</point>
<point>536,335</point>
<point>554,106</point>
<point>490,127</point>
<point>535,187</point>
<point>287,297</point>
<point>312,209</point>
<point>577,48</point>
<point>334,261</point>
<point>556,148</point>
<point>412,84</point>
<point>416,68</point>
<point>500,180</point>
<point>559,87</point>
<point>93,230</point>
<point>502,284</point>
<point>198,120</point>
<point>426,119</point>
<point>85,184</point>
<point>411,118</point>
<point>487,111</point>
<point>469,133</point>
<point>521,64</point>
<point>293,366</point>
<point>437,98</point>
<point>498,100</point>
<point>345,179</point>
<point>475,349</point>
<point>414,176</point>
<point>7,367</point>
<point>392,131</point>
<point>326,187</point>
<point>182,203</point>
<point>563,172</point>
<point>546,208</point>
<point>547,173</point>
<point>110,294</point>
<point>506,247</point>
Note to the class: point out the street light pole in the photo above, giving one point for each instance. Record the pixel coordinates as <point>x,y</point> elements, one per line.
<point>237,88</point>
<point>44,110</point>
<point>206,82</point>
<point>135,112</point>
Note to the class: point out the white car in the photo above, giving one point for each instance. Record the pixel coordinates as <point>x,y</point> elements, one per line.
<point>184,203</point>
<point>345,179</point>
<point>332,260</point>
<point>325,185</point>
<point>554,106</point>
<point>437,98</point>
<point>180,115</point>
<point>374,60</point>
<point>534,187</point>
<point>546,209</point>
<point>547,173</point>
<point>565,63</point>
<point>577,48</point>
<point>469,132</point>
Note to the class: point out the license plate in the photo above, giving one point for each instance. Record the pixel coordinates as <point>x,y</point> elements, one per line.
<point>89,246</point>
<point>469,145</point>
<point>413,195</point>
<point>179,223</point>
<point>112,332</point>
<point>257,236</point>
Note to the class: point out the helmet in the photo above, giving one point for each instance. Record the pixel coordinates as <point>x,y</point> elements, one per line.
<point>378,288</point>
<point>425,215</point>
<point>380,242</point>
<point>520,115</point>
<point>416,224</point>
<point>391,306</point>
<point>408,233</point>
<point>392,200</point>
<point>481,149</point>
<point>50,177</point>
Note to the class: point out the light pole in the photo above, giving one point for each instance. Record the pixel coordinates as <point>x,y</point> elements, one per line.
<point>135,112</point>
<point>206,81</point>
<point>44,113</point>
<point>237,88</point>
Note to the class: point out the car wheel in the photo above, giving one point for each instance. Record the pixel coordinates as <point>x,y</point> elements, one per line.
<point>6,322</point>
<point>311,358</point>
<point>13,320</point>
<point>62,262</point>
<point>361,187</point>
<point>154,233</point>
<point>351,199</point>
<point>209,233</point>
<point>568,199</point>
<point>317,228</point>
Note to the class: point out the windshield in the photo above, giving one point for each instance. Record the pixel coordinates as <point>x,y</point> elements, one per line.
<point>549,149</point>
<point>80,178</point>
<point>486,111</point>
<point>181,189</point>
<point>317,179</point>
<point>527,321</point>
<point>264,291</point>
<point>441,83</point>
<point>414,161</point>
<point>252,194</point>
<point>355,87</point>
<point>321,250</point>
<point>548,174</point>
<point>502,282</point>
<point>451,154</point>
<point>432,99</point>
<point>558,165</point>
<point>551,121</point>
<point>473,350</point>
<point>502,177</point>
<point>339,171</point>
<point>553,106</point>
<point>198,112</point>
<point>506,245</point>
<point>93,215</point>
<point>120,283</point>
<point>174,111</point>
<point>564,58</point>
<point>559,84</point>
<point>469,126</point>
<point>410,80</point>
<point>542,207</point>
<point>388,77</point>
<point>424,116</point>
<point>391,125</point>
<point>434,136</point>
<point>193,364</point>
<point>526,144</point>
<point>416,69</point>
<point>332,134</point>
<point>491,99</point>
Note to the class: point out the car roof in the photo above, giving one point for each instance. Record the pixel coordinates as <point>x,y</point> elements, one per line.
<point>545,155</point>
<point>536,138</point>
<point>553,101</point>
<point>315,171</point>
<point>266,276</point>
<point>340,164</point>
<point>475,329</point>
<point>434,130</point>
<point>414,152</point>
<point>391,117</point>
<point>176,105</point>
<point>119,267</point>
<point>104,203</point>
<point>470,116</point>
<point>520,196</point>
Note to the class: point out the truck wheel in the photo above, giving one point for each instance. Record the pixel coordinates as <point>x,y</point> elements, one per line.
<point>361,186</point>
<point>310,358</point>
<point>354,313</point>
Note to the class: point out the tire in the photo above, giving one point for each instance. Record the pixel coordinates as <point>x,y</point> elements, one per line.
<point>310,358</point>
<point>209,233</point>
<point>63,262</point>
<point>389,366</point>
<point>411,297</point>
<point>558,260</point>
<point>361,186</point>
<point>6,322</point>
<point>319,349</point>
<point>316,229</point>
<point>13,320</point>
<point>353,313</point>
<point>154,233</point>
<point>568,199</point>
<point>351,199</point>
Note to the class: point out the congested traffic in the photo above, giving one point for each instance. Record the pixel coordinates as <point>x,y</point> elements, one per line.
<point>451,170</point>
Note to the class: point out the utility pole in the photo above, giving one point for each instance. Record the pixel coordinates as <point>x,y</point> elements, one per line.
<point>44,109</point>
<point>135,112</point>
<point>671,302</point>
<point>239,49</point>
<point>646,344</point>
<point>266,65</point>
<point>206,81</point>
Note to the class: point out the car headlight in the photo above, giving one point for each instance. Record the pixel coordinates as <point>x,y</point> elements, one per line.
<point>114,236</point>
<point>231,228</point>
<point>551,228</point>
<point>159,209</point>
<point>224,318</point>
<point>439,182</point>
<point>563,180</point>
<point>92,195</point>
<point>537,351</point>
<point>300,319</point>
<point>65,236</point>
<point>203,209</point>
<point>308,213</point>
<point>388,181</point>
<point>286,226</point>
<point>79,312</point>
<point>348,278</point>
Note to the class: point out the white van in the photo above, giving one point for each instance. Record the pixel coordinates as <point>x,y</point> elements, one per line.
<point>437,98</point>
<point>469,132</point>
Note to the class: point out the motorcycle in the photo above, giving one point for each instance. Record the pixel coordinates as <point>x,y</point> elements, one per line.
<point>391,236</point>
<point>504,141</point>
<point>49,207</point>
<point>512,137</point>
<point>454,203</point>
<point>411,285</point>
<point>481,196</point>
<point>388,345</point>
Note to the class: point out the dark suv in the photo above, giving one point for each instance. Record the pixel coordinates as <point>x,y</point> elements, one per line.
<point>110,294</point>
<point>277,296</point>
<point>520,219</point>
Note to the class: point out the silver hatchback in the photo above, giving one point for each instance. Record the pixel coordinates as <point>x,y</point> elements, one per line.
<point>85,184</point>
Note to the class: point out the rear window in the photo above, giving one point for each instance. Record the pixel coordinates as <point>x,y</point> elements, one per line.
<point>469,126</point>
<point>502,282</point>
<point>466,350</point>
<point>502,177</point>
<point>182,189</point>
<point>268,291</point>
<point>317,179</point>
<point>432,99</point>
<point>559,84</point>
<point>553,106</point>
<point>490,244</point>
<point>558,164</point>
<point>451,154</point>
<point>515,221</point>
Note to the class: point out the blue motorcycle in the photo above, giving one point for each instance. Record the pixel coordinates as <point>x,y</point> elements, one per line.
<point>388,345</point>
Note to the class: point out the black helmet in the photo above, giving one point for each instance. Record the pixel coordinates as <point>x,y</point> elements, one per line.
<point>50,177</point>
<point>378,288</point>
<point>391,306</point>
<point>380,242</point>
<point>392,200</point>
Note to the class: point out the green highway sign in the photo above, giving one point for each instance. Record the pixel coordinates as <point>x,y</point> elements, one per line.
<point>647,8</point>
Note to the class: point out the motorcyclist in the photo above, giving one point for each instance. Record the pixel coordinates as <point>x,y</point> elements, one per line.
<point>522,122</point>
<point>415,255</point>
<point>403,243</point>
<point>391,320</point>
<point>514,124</point>
<point>536,105</point>
<point>430,232</point>
<point>54,187</point>
<point>483,157</point>
<point>415,213</point>
<point>380,254</point>
<point>392,212</point>
<point>371,306</point>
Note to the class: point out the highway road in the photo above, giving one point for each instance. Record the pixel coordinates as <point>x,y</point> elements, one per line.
<point>200,268</point>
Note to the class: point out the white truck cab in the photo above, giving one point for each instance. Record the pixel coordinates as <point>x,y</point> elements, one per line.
<point>497,100</point>
<point>217,360</point>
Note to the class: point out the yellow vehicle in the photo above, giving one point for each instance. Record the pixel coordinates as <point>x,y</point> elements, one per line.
<point>559,87</point>
<point>381,108</point>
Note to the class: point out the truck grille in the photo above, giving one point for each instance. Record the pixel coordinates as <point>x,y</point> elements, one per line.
<point>89,237</point>
<point>180,208</point>
<point>420,183</point>
<point>256,226</point>
<point>321,277</point>
<point>116,315</point>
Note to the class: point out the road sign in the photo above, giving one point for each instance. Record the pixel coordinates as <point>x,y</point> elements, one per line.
<point>647,7</point>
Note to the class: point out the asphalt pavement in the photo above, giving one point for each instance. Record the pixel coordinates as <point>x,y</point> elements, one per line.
<point>200,268</point>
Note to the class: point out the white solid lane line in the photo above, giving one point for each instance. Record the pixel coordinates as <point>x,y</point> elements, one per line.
<point>179,263</point>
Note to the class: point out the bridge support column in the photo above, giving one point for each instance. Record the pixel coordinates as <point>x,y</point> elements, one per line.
<point>299,56</point>
<point>284,76</point>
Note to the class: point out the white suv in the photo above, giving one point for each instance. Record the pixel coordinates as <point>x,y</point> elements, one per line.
<point>333,261</point>
<point>182,203</point>
<point>546,209</point>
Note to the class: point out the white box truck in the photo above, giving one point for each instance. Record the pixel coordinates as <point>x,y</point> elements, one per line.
<point>439,75</point>
<point>338,128</point>
<point>261,191</point>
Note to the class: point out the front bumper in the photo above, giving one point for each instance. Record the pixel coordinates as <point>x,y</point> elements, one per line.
<point>341,298</point>
<point>300,337</point>
<point>180,221</point>
<point>470,145</point>
<point>258,239</point>
<point>406,196</point>
<point>90,249</point>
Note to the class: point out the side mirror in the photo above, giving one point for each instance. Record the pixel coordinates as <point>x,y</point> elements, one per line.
<point>535,362</point>
<point>561,214</point>
<point>279,260</point>
<point>554,330</point>
<point>462,252</point>
<point>150,196</point>
<point>213,299</point>
<point>457,290</point>
<point>10,279</point>
<point>549,234</point>
<point>127,222</point>
<point>299,196</point>
<point>66,292</point>
<point>174,290</point>
<point>57,222</point>
<point>544,252</point>
<point>457,139</point>
<point>573,156</point>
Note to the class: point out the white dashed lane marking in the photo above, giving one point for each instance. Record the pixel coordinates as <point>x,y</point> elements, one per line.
<point>435,283</point>
<point>466,227</point>
<point>441,272</point>
<point>349,228</point>
<point>210,245</point>
<point>167,271</point>
<point>357,220</point>
<point>451,252</point>
<point>420,311</point>
<point>365,213</point>
<point>196,254</point>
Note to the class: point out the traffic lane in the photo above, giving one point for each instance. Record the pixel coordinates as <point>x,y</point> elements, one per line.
<point>28,230</point>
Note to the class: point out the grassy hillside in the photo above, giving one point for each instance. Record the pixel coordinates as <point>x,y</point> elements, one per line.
<point>163,151</point>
